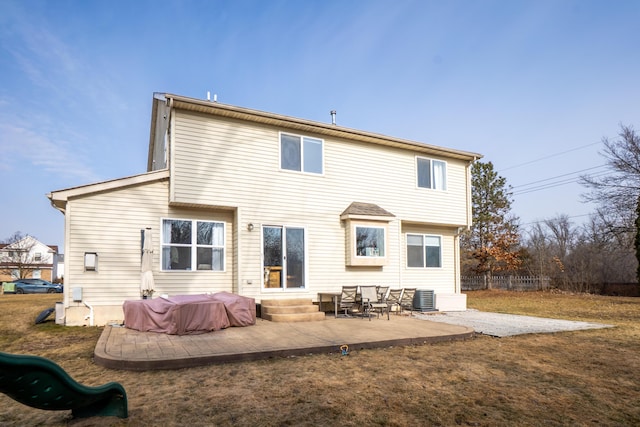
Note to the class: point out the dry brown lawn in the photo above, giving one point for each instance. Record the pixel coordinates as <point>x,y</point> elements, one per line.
<point>570,378</point>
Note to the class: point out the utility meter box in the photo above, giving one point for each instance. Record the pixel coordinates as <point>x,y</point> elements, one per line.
<point>76,293</point>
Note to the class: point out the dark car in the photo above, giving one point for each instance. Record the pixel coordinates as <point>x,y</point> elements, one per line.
<point>36,286</point>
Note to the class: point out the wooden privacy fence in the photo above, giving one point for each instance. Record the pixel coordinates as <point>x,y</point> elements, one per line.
<point>511,283</point>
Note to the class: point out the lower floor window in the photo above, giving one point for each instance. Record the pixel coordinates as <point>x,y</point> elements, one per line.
<point>424,251</point>
<point>192,245</point>
<point>370,241</point>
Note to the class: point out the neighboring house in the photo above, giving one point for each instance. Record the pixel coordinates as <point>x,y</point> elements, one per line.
<point>27,258</point>
<point>58,270</point>
<point>266,206</point>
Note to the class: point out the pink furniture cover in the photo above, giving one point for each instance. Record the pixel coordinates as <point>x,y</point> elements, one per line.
<point>189,314</point>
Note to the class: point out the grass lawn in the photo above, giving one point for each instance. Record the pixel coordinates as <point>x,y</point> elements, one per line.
<point>570,378</point>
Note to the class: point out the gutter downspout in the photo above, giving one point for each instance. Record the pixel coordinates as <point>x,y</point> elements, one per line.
<point>90,315</point>
<point>456,258</point>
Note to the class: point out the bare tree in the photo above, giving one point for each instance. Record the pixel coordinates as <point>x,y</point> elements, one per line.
<point>618,193</point>
<point>17,259</point>
<point>538,249</point>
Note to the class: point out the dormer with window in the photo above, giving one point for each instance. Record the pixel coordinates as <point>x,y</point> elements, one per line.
<point>367,234</point>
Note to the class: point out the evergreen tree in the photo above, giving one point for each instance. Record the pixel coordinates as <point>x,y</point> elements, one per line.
<point>492,243</point>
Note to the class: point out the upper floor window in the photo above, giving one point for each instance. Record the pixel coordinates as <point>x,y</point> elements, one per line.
<point>424,251</point>
<point>192,245</point>
<point>301,153</point>
<point>37,257</point>
<point>431,173</point>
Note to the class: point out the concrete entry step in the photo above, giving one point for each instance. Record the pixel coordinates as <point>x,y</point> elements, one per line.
<point>290,310</point>
<point>286,302</point>
<point>296,317</point>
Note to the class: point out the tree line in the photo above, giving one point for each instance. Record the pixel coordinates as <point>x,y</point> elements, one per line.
<point>581,257</point>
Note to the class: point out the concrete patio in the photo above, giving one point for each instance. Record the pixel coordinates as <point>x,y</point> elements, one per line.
<point>122,348</point>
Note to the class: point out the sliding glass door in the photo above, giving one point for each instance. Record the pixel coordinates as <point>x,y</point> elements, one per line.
<point>283,257</point>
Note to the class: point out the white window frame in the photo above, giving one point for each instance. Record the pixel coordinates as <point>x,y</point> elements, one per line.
<point>373,254</point>
<point>283,287</point>
<point>432,174</point>
<point>302,139</point>
<point>194,245</point>
<point>424,250</point>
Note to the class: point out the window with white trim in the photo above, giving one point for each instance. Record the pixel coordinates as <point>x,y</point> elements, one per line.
<point>370,241</point>
<point>424,251</point>
<point>301,153</point>
<point>193,245</point>
<point>431,173</point>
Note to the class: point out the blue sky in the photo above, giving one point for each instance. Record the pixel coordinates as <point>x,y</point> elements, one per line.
<point>532,85</point>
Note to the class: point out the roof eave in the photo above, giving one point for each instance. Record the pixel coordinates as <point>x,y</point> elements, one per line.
<point>60,198</point>
<point>225,110</point>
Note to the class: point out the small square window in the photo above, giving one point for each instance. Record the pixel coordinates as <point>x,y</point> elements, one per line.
<point>370,241</point>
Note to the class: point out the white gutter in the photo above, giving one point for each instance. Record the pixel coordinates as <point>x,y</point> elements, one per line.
<point>90,315</point>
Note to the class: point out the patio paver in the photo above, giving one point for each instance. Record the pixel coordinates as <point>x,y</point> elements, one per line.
<point>123,348</point>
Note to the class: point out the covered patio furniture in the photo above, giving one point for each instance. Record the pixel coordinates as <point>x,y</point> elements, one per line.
<point>372,302</point>
<point>348,300</point>
<point>190,314</point>
<point>241,310</point>
<point>406,301</point>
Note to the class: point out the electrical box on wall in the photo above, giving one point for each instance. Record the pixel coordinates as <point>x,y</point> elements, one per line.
<point>76,293</point>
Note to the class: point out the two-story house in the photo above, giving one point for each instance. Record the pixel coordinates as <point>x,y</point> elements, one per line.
<point>28,258</point>
<point>266,206</point>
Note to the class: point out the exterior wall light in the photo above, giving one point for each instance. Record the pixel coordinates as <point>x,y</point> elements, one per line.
<point>250,226</point>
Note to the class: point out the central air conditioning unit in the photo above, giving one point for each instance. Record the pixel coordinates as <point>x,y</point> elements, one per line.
<point>424,300</point>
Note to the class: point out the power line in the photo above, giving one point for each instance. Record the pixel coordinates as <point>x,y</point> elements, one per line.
<point>558,176</point>
<point>550,156</point>
<point>556,184</point>
<point>543,220</point>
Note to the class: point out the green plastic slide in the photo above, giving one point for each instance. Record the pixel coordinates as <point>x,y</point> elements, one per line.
<point>40,383</point>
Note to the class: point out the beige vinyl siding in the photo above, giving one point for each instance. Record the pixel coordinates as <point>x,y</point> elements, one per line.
<point>236,164</point>
<point>230,163</point>
<point>109,224</point>
<point>441,279</point>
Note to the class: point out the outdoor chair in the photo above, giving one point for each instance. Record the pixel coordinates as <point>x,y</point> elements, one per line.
<point>371,302</point>
<point>348,299</point>
<point>393,298</point>
<point>406,301</point>
<point>382,292</point>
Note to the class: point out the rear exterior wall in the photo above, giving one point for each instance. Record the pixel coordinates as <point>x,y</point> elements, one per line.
<point>236,165</point>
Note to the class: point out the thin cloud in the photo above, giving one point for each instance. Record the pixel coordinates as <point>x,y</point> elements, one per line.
<point>24,143</point>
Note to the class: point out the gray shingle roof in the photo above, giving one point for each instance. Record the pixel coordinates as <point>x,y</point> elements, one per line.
<point>368,209</point>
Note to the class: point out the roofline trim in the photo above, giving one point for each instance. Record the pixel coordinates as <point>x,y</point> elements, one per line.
<point>59,198</point>
<point>226,110</point>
